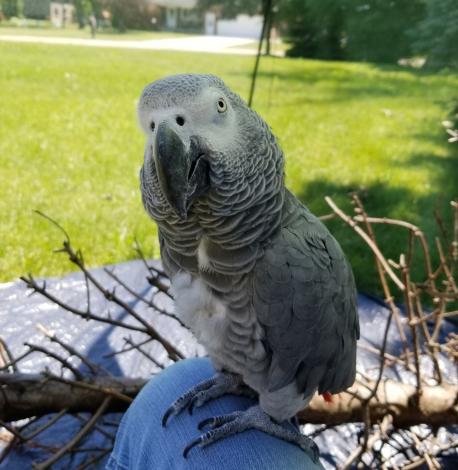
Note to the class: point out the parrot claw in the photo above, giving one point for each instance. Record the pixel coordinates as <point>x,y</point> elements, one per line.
<point>166,416</point>
<point>253,418</point>
<point>195,442</point>
<point>215,387</point>
<point>216,421</point>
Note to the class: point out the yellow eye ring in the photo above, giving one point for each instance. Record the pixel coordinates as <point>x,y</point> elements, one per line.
<point>221,105</point>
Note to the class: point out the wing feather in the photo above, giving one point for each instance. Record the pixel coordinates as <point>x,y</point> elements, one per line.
<point>305,298</point>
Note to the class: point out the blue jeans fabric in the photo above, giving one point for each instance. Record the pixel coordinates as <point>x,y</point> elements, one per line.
<point>143,444</point>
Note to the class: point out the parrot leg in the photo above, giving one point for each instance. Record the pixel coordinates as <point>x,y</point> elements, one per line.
<point>253,418</point>
<point>219,385</point>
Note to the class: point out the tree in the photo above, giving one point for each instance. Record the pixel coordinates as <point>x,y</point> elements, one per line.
<point>36,9</point>
<point>313,27</point>
<point>82,10</point>
<point>436,35</point>
<point>377,30</point>
<point>230,9</point>
<point>134,14</point>
<point>9,8</point>
<point>372,30</point>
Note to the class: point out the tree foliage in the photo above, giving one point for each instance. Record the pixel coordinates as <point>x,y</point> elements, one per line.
<point>377,30</point>
<point>230,9</point>
<point>83,8</point>
<point>436,35</point>
<point>313,27</point>
<point>372,30</point>
<point>132,14</point>
<point>9,8</point>
<point>36,9</point>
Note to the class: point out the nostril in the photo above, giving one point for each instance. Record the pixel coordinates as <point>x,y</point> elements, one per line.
<point>180,120</point>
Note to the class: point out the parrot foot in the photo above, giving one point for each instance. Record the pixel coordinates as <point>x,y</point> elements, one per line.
<point>253,418</point>
<point>219,385</point>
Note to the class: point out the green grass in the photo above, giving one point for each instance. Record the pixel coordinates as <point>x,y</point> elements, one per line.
<point>72,31</point>
<point>277,47</point>
<point>70,146</point>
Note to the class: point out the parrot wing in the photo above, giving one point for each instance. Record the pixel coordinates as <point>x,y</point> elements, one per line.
<point>305,298</point>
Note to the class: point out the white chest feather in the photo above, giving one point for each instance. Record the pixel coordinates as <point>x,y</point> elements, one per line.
<point>203,260</point>
<point>209,319</point>
<point>201,311</point>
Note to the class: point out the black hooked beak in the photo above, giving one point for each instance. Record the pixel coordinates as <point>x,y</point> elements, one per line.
<point>183,174</point>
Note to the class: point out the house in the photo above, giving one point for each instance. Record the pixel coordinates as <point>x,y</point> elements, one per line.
<point>184,15</point>
<point>61,14</point>
<point>180,14</point>
<point>242,26</point>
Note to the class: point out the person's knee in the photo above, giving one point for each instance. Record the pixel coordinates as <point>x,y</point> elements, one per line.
<point>162,389</point>
<point>143,442</point>
<point>176,379</point>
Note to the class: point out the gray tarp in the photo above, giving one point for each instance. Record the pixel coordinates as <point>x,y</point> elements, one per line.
<point>20,313</point>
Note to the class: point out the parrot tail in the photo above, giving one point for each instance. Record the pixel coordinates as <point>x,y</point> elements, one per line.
<point>327,396</point>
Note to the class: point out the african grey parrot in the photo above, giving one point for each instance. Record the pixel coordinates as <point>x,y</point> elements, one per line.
<point>255,275</point>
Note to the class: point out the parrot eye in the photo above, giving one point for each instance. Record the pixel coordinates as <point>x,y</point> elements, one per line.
<point>221,105</point>
<point>152,126</point>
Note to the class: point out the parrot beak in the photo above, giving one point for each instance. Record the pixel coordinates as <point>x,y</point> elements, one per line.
<point>182,173</point>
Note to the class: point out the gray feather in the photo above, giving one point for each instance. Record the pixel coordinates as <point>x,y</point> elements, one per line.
<point>304,296</point>
<point>247,244</point>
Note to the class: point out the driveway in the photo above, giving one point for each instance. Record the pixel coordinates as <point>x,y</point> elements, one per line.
<point>212,44</point>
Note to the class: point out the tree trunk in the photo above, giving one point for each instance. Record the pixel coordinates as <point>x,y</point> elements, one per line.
<point>436,406</point>
<point>27,395</point>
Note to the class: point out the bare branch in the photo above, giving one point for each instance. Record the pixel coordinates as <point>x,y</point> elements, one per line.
<point>94,368</point>
<point>6,358</point>
<point>367,239</point>
<point>27,395</point>
<point>73,442</point>
<point>151,304</point>
<point>42,290</point>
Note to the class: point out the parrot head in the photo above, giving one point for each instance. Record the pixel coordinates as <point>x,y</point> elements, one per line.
<point>200,136</point>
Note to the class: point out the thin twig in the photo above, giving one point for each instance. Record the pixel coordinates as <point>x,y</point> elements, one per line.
<point>415,231</point>
<point>408,296</point>
<point>58,358</point>
<point>389,298</point>
<point>124,350</point>
<point>74,441</point>
<point>94,368</point>
<point>142,299</point>
<point>93,460</point>
<point>7,358</point>
<point>42,290</point>
<point>97,428</point>
<point>46,425</point>
<point>144,353</point>
<point>77,259</point>
<point>89,386</point>
<point>367,239</point>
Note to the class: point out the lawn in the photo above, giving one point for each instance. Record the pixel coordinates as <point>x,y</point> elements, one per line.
<point>72,31</point>
<point>70,146</point>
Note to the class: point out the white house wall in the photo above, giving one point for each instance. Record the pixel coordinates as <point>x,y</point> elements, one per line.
<point>61,13</point>
<point>243,26</point>
<point>185,4</point>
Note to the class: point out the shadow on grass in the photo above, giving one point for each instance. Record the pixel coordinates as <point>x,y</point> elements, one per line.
<point>379,200</point>
<point>326,83</point>
<point>382,200</point>
<point>340,82</point>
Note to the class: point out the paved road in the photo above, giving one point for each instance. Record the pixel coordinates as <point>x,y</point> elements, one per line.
<point>213,44</point>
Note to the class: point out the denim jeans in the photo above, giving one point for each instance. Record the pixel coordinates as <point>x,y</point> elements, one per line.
<point>143,444</point>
